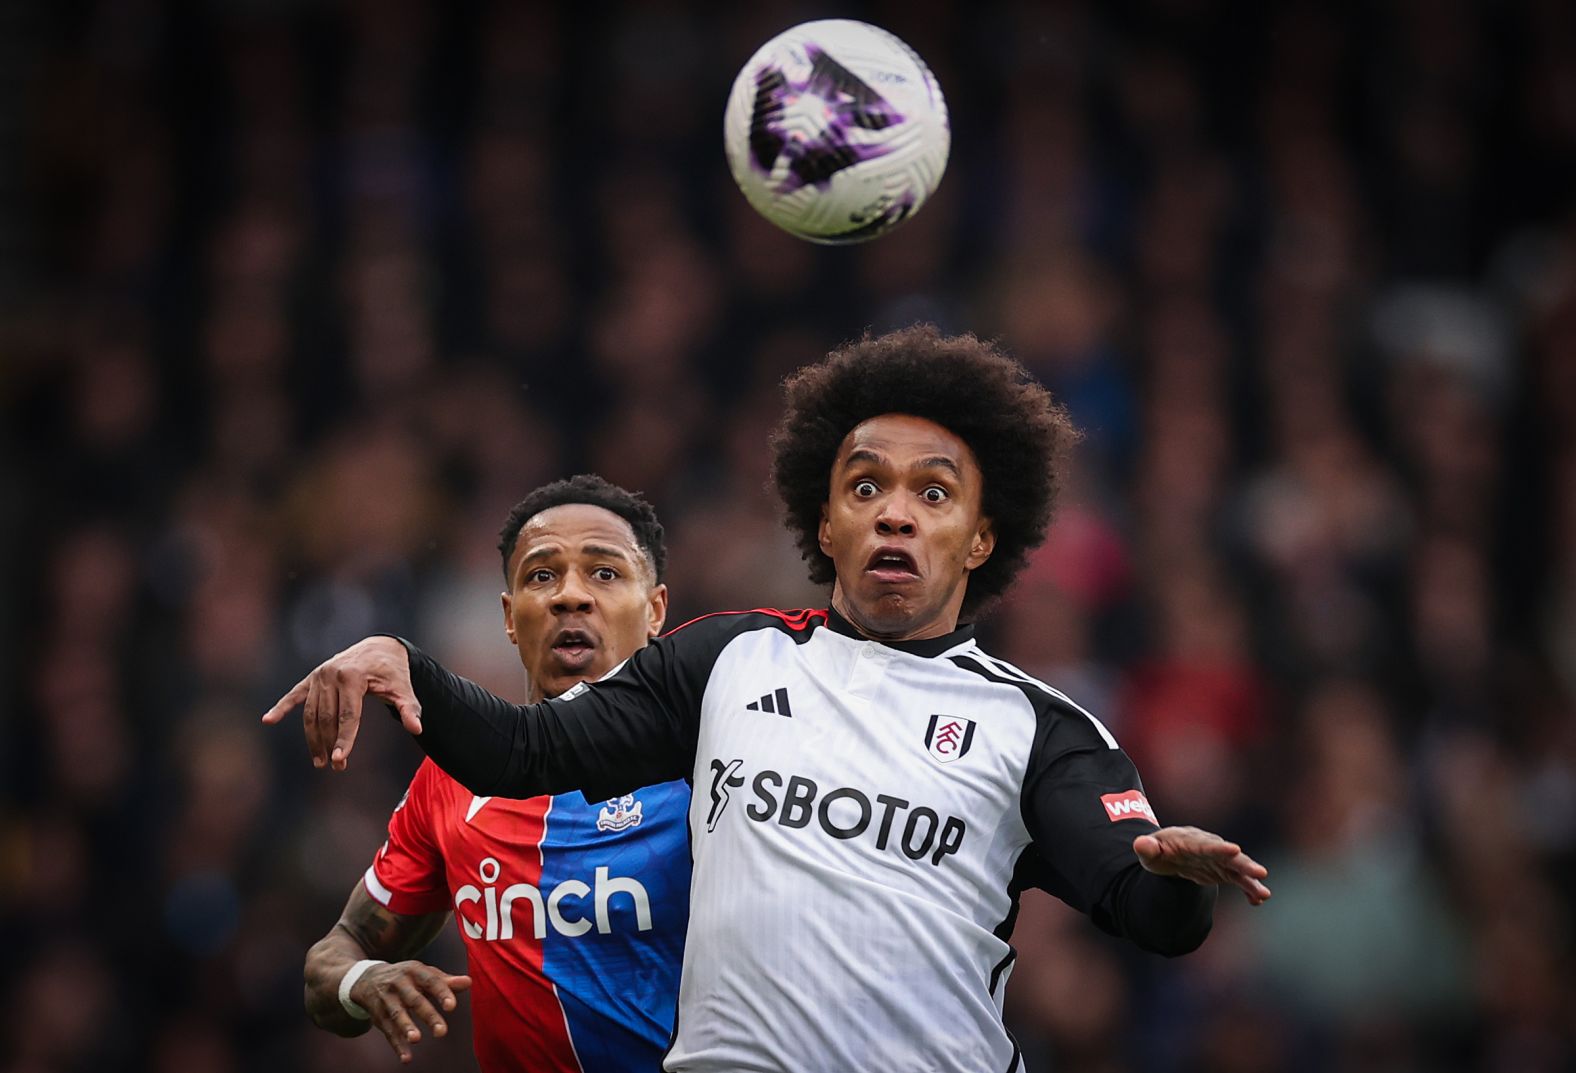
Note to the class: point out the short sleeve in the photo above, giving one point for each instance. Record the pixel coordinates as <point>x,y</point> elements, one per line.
<point>407,874</point>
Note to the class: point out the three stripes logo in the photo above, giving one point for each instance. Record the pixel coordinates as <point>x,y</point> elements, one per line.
<point>776,703</point>
<point>949,737</point>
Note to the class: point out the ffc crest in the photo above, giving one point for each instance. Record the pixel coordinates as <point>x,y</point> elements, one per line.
<point>949,737</point>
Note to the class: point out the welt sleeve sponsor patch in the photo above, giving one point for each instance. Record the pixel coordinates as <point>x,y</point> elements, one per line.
<point>1131,805</point>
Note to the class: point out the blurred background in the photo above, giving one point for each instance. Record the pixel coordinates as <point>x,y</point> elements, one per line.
<point>297,298</point>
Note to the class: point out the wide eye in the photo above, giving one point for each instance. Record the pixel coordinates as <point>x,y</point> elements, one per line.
<point>864,489</point>
<point>540,576</point>
<point>935,494</point>
<point>605,573</point>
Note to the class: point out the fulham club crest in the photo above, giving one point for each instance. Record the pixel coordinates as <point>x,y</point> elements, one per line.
<point>949,737</point>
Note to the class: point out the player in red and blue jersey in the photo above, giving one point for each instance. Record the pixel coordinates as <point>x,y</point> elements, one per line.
<point>572,912</point>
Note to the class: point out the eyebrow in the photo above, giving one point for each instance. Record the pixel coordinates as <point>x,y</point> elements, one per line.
<point>606,551</point>
<point>865,454</point>
<point>940,462</point>
<point>542,552</point>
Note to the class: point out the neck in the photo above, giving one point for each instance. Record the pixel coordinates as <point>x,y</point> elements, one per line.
<point>942,623</point>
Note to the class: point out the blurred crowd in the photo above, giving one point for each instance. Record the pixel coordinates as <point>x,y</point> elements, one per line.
<point>313,292</point>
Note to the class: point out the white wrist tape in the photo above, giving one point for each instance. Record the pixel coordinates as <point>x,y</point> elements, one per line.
<point>348,981</point>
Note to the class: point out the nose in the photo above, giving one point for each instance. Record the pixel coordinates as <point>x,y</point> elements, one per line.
<point>573,595</point>
<point>893,520</point>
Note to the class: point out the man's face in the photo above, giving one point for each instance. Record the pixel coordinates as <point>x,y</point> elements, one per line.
<point>903,527</point>
<point>582,597</point>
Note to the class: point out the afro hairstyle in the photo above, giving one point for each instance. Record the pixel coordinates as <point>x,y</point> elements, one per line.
<point>1017,432</point>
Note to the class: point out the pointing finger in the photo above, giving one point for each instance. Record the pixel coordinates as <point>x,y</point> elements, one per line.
<point>284,704</point>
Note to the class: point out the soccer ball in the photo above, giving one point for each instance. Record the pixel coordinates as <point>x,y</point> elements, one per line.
<point>836,131</point>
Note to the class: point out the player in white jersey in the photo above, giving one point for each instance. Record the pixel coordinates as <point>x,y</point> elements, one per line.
<point>872,789</point>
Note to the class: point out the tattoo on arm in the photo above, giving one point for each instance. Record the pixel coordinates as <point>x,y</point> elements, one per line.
<point>365,930</point>
<point>386,935</point>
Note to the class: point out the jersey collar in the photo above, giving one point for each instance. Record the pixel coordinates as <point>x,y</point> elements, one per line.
<point>927,646</point>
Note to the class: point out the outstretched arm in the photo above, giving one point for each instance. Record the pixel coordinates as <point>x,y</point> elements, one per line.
<point>331,697</point>
<point>397,998</point>
<point>1204,858</point>
<point>636,728</point>
<point>1101,850</point>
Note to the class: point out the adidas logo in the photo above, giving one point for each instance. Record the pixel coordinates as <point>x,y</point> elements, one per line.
<point>775,703</point>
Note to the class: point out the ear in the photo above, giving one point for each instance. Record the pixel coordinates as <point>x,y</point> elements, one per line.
<point>508,618</point>
<point>656,610</point>
<point>823,534</point>
<point>984,544</point>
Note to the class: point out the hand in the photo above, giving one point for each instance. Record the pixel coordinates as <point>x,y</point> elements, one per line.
<point>398,996</point>
<point>1205,858</point>
<point>334,691</point>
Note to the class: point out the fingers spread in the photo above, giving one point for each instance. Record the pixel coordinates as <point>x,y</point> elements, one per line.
<point>437,986</point>
<point>395,1034</point>
<point>393,999</point>
<point>416,1004</point>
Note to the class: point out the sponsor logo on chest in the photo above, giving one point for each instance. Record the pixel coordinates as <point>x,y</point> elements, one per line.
<point>490,912</point>
<point>795,802</point>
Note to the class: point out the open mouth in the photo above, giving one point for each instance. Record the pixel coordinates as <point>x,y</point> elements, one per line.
<point>892,564</point>
<point>574,647</point>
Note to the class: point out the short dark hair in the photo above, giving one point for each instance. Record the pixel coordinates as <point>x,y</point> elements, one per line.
<point>593,491</point>
<point>970,387</point>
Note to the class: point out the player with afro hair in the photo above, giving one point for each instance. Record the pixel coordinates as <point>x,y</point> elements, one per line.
<point>1017,432</point>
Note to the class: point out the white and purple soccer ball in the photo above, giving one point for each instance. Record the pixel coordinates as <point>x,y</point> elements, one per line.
<point>836,131</point>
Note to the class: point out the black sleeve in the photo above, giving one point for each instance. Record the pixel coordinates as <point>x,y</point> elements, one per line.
<point>634,728</point>
<point>1077,796</point>
<point>1162,914</point>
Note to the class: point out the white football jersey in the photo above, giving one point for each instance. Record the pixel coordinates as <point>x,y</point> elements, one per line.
<point>864,816</point>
